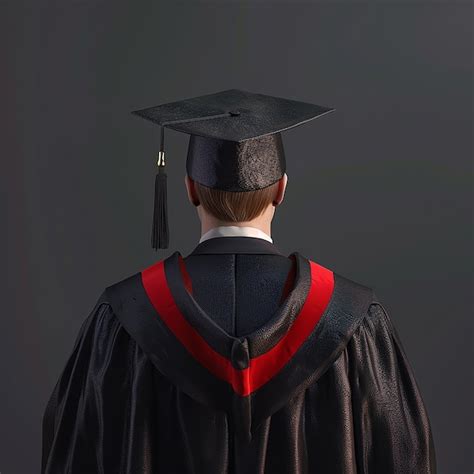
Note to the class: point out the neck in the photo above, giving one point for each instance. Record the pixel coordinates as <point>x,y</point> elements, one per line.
<point>262,222</point>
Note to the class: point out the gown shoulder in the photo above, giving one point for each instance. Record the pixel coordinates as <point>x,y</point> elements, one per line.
<point>97,366</point>
<point>392,428</point>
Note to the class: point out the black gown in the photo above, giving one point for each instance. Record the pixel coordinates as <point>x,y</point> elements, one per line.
<point>237,360</point>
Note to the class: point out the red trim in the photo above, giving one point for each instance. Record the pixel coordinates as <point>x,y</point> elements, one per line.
<point>185,275</point>
<point>262,368</point>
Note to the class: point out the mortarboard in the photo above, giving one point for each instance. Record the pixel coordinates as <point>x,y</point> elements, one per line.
<point>235,142</point>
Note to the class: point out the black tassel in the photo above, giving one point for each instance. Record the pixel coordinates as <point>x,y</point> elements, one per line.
<point>160,231</point>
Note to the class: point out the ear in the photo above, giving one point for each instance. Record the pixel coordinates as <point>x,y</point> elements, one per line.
<point>192,196</point>
<point>281,190</point>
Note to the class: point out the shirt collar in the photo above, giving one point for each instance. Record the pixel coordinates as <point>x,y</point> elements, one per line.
<point>235,231</point>
<point>236,245</point>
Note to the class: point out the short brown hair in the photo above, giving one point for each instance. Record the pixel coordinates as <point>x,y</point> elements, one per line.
<point>235,206</point>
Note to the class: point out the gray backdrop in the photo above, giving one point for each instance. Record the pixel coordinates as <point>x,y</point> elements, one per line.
<point>379,191</point>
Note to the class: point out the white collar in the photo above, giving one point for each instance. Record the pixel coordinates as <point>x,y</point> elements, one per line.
<point>235,231</point>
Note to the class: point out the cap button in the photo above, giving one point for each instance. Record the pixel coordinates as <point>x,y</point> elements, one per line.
<point>240,354</point>
<point>234,113</point>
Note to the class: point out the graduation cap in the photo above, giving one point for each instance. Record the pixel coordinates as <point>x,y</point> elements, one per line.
<point>235,142</point>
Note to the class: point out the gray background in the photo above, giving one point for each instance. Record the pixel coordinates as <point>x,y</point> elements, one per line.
<point>379,191</point>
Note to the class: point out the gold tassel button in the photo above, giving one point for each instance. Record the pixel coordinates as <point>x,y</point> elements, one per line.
<point>161,158</point>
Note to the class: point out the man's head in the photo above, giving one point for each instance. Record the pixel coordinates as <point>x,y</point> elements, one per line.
<point>216,207</point>
<point>235,145</point>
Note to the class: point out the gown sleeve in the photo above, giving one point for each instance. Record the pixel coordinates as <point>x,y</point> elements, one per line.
<point>392,430</point>
<point>90,390</point>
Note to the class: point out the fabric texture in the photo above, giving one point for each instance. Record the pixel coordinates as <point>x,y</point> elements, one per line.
<point>128,401</point>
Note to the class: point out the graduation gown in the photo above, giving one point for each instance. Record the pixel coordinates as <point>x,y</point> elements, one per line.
<point>237,359</point>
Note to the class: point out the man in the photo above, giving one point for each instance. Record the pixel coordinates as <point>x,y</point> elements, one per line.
<point>236,358</point>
